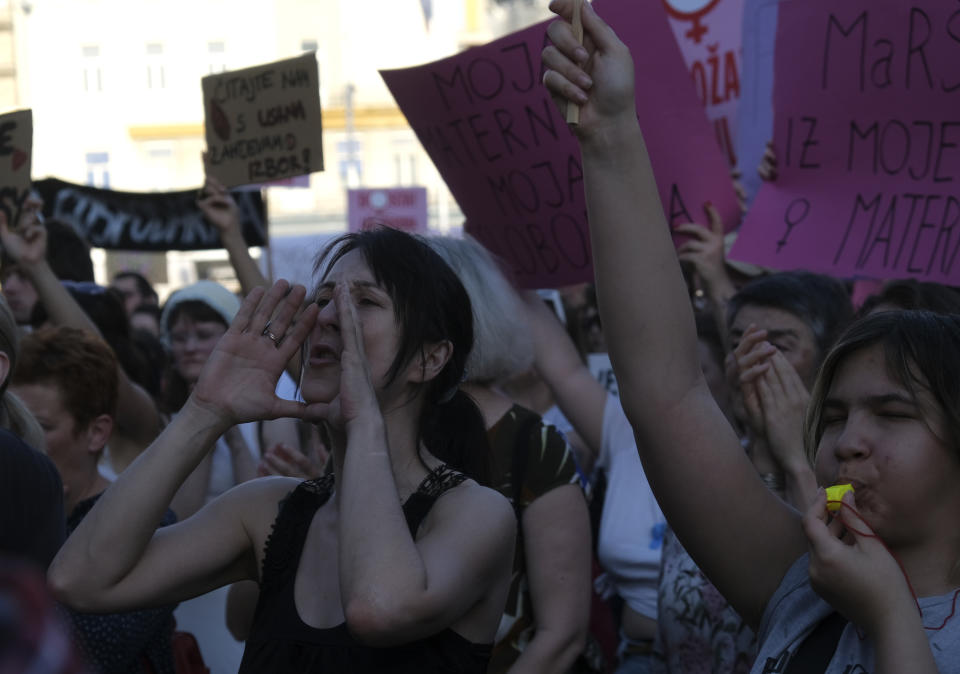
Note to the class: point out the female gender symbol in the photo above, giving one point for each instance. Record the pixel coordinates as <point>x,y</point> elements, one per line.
<point>691,10</point>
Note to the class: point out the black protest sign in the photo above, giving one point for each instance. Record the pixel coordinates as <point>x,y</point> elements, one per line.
<point>144,221</point>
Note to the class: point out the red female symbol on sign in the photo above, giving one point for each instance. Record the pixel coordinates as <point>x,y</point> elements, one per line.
<point>691,10</point>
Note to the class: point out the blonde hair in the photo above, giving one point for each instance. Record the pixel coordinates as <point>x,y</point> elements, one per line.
<point>14,415</point>
<point>500,350</point>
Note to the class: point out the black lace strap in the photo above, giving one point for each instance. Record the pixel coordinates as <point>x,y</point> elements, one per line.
<point>435,484</point>
<point>285,543</point>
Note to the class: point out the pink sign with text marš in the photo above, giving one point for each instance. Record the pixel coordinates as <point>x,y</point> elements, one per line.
<point>513,165</point>
<point>867,134</point>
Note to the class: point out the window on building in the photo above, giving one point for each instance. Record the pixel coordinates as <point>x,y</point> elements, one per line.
<point>405,161</point>
<point>405,169</point>
<point>98,169</point>
<point>91,66</point>
<point>159,167</point>
<point>216,57</point>
<point>156,74</point>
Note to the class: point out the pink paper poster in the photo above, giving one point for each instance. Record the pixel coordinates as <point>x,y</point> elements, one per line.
<point>513,165</point>
<point>709,35</point>
<point>399,207</point>
<point>867,131</point>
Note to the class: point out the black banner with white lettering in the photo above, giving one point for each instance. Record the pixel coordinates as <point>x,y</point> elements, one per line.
<point>146,220</point>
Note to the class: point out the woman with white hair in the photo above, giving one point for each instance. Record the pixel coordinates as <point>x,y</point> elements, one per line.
<point>544,625</point>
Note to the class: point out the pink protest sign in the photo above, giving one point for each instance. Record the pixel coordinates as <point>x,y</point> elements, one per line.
<point>399,207</point>
<point>709,35</point>
<point>513,165</point>
<point>867,131</point>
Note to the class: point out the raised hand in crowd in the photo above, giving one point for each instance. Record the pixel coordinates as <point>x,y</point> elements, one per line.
<point>775,401</point>
<point>704,253</point>
<point>26,241</point>
<point>768,164</point>
<point>239,379</point>
<point>237,385</point>
<point>281,459</point>
<point>221,210</point>
<point>137,420</point>
<point>692,456</point>
<point>578,394</point>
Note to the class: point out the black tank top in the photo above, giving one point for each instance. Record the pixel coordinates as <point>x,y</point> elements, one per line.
<point>281,642</point>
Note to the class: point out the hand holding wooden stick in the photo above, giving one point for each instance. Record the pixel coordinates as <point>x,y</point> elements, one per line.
<point>573,110</point>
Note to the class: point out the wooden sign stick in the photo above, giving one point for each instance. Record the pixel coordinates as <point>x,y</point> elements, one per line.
<point>573,110</point>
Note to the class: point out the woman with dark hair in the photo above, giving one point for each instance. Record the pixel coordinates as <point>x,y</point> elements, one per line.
<point>870,584</point>
<point>396,561</point>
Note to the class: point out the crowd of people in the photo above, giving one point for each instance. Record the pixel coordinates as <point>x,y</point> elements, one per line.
<point>410,467</point>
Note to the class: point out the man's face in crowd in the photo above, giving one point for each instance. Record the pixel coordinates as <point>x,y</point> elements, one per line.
<point>127,287</point>
<point>790,335</point>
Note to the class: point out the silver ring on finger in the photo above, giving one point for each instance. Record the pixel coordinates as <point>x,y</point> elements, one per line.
<point>269,335</point>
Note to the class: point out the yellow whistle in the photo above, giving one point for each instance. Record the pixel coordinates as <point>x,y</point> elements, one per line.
<point>835,495</point>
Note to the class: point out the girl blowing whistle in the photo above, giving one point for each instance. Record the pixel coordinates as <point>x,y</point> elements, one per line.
<point>871,587</point>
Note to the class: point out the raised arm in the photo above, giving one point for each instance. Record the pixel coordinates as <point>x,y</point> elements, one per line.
<point>137,416</point>
<point>704,251</point>
<point>117,559</point>
<point>743,536</point>
<point>579,396</point>
<point>221,210</point>
<point>775,400</point>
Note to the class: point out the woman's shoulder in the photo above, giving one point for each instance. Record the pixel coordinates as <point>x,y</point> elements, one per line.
<point>265,487</point>
<point>470,503</point>
<point>259,501</point>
